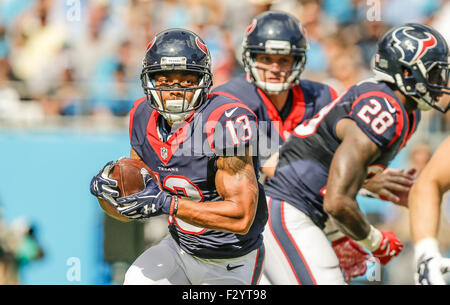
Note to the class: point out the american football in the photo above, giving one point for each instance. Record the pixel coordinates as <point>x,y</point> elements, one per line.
<point>127,173</point>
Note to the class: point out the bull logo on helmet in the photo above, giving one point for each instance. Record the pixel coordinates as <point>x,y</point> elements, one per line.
<point>412,47</point>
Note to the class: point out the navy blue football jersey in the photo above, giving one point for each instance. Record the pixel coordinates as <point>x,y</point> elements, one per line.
<point>185,165</point>
<point>307,99</point>
<point>302,171</point>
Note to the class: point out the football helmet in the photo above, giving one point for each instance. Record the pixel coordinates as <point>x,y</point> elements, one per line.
<point>275,33</point>
<point>415,58</point>
<point>181,50</point>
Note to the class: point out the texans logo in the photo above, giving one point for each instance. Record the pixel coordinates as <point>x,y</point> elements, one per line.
<point>251,27</point>
<point>151,43</point>
<point>412,47</point>
<point>201,46</point>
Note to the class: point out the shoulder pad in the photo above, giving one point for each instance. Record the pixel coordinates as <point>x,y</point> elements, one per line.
<point>380,117</point>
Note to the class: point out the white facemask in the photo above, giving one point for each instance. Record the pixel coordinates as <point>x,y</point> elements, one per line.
<point>176,106</point>
<point>274,88</point>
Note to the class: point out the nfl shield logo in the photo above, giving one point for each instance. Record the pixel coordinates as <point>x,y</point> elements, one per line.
<point>164,153</point>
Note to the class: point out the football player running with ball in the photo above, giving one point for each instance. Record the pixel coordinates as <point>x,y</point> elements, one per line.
<point>200,150</point>
<point>327,159</point>
<point>425,199</point>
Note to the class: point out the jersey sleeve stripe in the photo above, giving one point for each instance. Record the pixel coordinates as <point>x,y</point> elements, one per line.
<point>333,93</point>
<point>133,110</point>
<point>400,122</point>
<point>220,93</point>
<point>411,130</point>
<point>224,94</point>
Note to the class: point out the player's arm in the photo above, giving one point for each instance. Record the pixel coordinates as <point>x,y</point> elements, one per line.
<point>424,203</point>
<point>391,185</point>
<point>269,167</point>
<point>426,194</point>
<point>235,178</point>
<point>348,172</point>
<point>134,155</point>
<point>236,183</point>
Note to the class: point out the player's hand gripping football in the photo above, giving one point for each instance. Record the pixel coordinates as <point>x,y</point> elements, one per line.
<point>152,201</point>
<point>392,185</point>
<point>104,187</point>
<point>352,257</point>
<point>430,265</point>
<point>390,246</point>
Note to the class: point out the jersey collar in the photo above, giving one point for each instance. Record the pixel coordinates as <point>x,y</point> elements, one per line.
<point>165,150</point>
<point>294,118</point>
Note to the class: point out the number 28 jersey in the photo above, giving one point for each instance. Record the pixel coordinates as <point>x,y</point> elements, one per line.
<point>185,165</point>
<point>302,171</point>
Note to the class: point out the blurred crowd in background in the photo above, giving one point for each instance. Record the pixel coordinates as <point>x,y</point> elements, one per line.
<point>19,246</point>
<point>82,59</point>
<point>72,58</point>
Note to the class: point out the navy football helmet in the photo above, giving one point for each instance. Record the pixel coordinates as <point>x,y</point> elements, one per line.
<point>275,33</point>
<point>181,50</point>
<point>415,58</point>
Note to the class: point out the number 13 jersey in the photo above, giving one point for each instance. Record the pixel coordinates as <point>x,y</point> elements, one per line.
<point>185,165</point>
<point>302,171</point>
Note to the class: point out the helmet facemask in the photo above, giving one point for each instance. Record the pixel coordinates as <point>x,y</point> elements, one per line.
<point>275,33</point>
<point>292,75</point>
<point>427,84</point>
<point>179,109</point>
<point>291,78</point>
<point>438,86</point>
<point>182,52</point>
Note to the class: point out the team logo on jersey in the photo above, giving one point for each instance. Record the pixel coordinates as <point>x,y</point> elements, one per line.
<point>411,47</point>
<point>229,113</point>
<point>164,153</point>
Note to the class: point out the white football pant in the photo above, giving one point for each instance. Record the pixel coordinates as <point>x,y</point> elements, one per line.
<point>167,264</point>
<point>297,251</point>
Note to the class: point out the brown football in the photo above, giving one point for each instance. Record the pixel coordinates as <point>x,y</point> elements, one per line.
<point>127,173</point>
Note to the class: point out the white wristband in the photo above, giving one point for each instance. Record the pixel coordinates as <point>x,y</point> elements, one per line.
<point>427,245</point>
<point>367,193</point>
<point>331,230</point>
<point>372,241</point>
